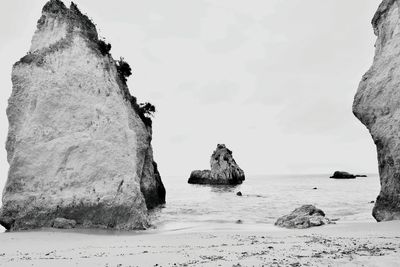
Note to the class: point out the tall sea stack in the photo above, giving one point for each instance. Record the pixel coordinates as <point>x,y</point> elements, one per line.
<point>377,106</point>
<point>79,145</point>
<point>224,170</point>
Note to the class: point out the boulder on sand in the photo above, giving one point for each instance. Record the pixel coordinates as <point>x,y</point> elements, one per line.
<point>304,217</point>
<point>224,170</point>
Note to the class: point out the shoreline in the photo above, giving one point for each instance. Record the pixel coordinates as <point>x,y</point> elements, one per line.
<point>349,244</point>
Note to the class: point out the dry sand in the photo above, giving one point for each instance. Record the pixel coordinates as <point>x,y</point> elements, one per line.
<point>357,244</point>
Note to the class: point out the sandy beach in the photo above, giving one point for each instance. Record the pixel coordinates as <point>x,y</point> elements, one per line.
<point>356,244</point>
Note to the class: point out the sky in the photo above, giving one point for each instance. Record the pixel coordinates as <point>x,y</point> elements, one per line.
<point>274,80</point>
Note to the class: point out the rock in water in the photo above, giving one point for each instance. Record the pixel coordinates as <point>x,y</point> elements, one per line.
<point>224,170</point>
<point>377,106</point>
<point>342,175</point>
<point>79,146</point>
<point>304,217</point>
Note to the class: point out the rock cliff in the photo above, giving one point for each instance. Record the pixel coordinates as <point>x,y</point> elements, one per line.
<point>79,146</point>
<point>224,170</point>
<point>377,106</point>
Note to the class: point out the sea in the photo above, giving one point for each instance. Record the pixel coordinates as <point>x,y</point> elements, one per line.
<point>197,208</point>
<point>264,199</point>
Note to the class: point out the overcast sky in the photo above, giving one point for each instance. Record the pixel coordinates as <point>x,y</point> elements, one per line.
<point>272,79</point>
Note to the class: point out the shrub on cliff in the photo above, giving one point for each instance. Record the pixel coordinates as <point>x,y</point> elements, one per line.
<point>104,47</point>
<point>123,68</point>
<point>146,111</point>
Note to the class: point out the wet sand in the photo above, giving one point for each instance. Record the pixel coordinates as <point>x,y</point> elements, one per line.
<point>355,244</point>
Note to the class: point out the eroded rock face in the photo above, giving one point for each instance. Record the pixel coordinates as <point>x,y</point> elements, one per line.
<point>224,170</point>
<point>62,223</point>
<point>78,146</point>
<point>377,106</point>
<point>304,217</point>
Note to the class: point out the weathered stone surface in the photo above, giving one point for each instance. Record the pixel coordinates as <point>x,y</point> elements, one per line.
<point>304,217</point>
<point>343,175</point>
<point>224,170</point>
<point>377,106</point>
<point>63,223</point>
<point>78,146</point>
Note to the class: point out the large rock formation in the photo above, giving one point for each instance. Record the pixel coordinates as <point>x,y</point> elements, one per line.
<point>377,105</point>
<point>304,217</point>
<point>78,143</point>
<point>224,170</point>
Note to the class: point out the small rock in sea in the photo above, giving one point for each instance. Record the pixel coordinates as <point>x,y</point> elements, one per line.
<point>342,175</point>
<point>239,221</point>
<point>372,202</point>
<point>239,194</point>
<point>304,217</point>
<point>62,223</point>
<point>315,188</point>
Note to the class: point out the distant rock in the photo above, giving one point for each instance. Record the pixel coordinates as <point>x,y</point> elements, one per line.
<point>343,175</point>
<point>304,217</point>
<point>63,223</point>
<point>239,194</point>
<point>224,170</point>
<point>377,105</point>
<point>361,175</point>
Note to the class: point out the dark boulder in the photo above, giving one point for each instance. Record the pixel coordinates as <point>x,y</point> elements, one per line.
<point>343,175</point>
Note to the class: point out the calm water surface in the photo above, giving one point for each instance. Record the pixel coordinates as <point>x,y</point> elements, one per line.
<point>264,199</point>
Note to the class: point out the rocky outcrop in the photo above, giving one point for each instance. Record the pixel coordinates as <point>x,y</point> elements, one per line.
<point>377,106</point>
<point>343,175</point>
<point>224,170</point>
<point>79,146</point>
<point>304,217</point>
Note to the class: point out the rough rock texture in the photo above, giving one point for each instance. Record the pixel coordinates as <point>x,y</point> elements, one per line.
<point>304,217</point>
<point>343,175</point>
<point>377,106</point>
<point>63,223</point>
<point>224,170</point>
<point>78,146</point>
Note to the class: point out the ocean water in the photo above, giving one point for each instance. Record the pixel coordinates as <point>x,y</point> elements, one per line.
<point>191,208</point>
<point>265,198</point>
